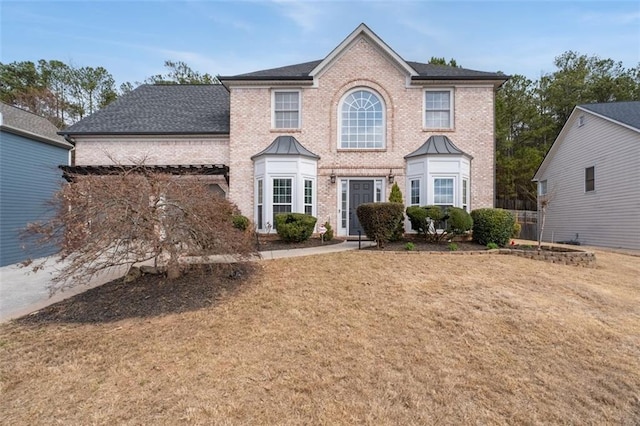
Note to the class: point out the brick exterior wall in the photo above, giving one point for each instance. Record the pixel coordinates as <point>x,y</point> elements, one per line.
<point>363,63</point>
<point>157,150</point>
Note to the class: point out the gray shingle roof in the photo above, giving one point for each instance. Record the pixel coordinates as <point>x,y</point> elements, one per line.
<point>442,72</point>
<point>29,123</point>
<point>437,144</point>
<point>624,112</point>
<point>161,109</point>
<point>288,72</point>
<point>286,145</point>
<point>425,72</point>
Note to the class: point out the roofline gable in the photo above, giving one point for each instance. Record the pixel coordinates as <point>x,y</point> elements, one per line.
<point>605,117</point>
<point>565,128</point>
<point>34,136</point>
<point>362,29</point>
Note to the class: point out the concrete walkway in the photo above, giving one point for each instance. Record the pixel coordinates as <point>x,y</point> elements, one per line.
<point>23,291</point>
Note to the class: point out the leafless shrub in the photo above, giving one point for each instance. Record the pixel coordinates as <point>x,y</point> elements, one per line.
<point>136,215</point>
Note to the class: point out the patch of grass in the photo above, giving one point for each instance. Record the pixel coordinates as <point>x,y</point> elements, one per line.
<point>452,247</point>
<point>359,340</point>
<point>492,246</point>
<point>410,246</point>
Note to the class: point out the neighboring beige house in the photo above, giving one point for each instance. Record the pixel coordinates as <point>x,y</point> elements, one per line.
<point>319,137</point>
<point>591,177</point>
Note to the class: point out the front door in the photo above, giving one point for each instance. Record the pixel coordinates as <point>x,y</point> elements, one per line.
<point>360,191</point>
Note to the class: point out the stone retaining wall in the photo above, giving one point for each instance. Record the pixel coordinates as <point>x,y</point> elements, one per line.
<point>559,255</point>
<point>555,255</point>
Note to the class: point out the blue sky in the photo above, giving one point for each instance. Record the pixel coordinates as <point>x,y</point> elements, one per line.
<point>132,39</point>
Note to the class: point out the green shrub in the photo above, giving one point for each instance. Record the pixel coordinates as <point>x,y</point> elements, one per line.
<point>492,226</point>
<point>410,246</point>
<point>418,218</point>
<point>380,220</point>
<point>396,197</point>
<point>459,221</point>
<point>240,222</point>
<point>492,246</point>
<point>328,235</point>
<point>452,247</point>
<point>295,227</point>
<point>516,230</point>
<point>429,221</point>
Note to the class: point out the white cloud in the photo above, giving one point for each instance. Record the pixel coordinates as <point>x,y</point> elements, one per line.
<point>306,15</point>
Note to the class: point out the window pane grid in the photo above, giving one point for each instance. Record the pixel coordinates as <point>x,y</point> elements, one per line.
<point>415,192</point>
<point>589,179</point>
<point>362,121</point>
<point>438,109</point>
<point>443,191</point>
<point>308,197</point>
<point>287,110</point>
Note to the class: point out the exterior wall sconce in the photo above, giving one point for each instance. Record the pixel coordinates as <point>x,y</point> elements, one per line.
<point>392,177</point>
<point>332,177</point>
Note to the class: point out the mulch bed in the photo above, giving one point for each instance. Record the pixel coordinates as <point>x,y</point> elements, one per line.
<point>273,242</point>
<point>149,296</point>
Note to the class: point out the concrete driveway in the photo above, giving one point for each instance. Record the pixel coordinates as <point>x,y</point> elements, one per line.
<point>23,291</point>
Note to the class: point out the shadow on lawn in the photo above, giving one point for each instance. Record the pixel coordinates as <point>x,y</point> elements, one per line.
<point>149,296</point>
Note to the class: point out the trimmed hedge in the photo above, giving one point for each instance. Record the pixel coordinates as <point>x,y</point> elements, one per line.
<point>380,220</point>
<point>295,227</point>
<point>492,226</point>
<point>459,221</point>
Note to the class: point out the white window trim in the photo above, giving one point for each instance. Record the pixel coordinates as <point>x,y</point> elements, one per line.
<point>451,107</point>
<point>273,108</point>
<point>420,191</point>
<point>314,191</point>
<point>377,182</point>
<point>543,187</point>
<point>456,190</point>
<point>384,120</point>
<point>464,204</point>
<point>256,196</point>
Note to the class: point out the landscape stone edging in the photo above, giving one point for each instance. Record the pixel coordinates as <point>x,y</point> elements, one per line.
<point>561,256</point>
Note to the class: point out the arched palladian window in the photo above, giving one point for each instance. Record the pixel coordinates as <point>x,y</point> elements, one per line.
<point>362,120</point>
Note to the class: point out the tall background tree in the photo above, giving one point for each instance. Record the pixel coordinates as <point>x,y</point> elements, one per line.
<point>531,114</point>
<point>65,93</point>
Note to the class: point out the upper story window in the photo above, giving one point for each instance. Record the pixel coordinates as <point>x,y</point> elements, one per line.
<point>590,179</point>
<point>438,109</point>
<point>542,187</point>
<point>362,121</point>
<point>286,109</point>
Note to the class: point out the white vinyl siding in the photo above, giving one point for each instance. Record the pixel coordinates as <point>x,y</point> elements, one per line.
<point>607,216</point>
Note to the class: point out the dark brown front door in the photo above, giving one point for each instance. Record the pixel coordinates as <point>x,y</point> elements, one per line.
<point>360,191</point>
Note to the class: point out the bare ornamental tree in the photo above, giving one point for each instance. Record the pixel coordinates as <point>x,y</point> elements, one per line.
<point>133,216</point>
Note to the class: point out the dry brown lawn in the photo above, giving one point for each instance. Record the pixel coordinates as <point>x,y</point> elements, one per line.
<point>351,338</point>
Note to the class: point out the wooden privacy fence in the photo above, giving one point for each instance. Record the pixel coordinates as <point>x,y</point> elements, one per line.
<point>528,221</point>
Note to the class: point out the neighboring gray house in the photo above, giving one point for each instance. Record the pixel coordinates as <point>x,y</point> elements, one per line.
<point>30,153</point>
<point>591,177</point>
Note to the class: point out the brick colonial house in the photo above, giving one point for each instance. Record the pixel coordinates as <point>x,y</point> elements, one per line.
<point>319,137</point>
